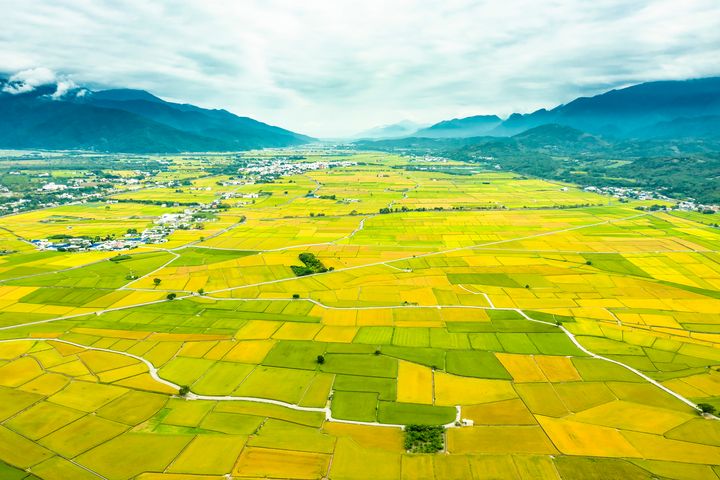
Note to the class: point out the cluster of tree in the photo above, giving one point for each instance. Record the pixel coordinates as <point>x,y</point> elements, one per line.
<point>386,210</point>
<point>311,265</point>
<point>154,202</point>
<point>424,438</point>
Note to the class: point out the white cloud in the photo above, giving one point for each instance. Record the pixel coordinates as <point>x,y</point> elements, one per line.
<point>64,85</point>
<point>28,80</point>
<point>337,67</point>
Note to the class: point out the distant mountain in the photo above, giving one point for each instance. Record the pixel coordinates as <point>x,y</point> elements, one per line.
<point>125,120</point>
<point>625,112</point>
<point>396,130</point>
<point>683,127</point>
<point>461,127</point>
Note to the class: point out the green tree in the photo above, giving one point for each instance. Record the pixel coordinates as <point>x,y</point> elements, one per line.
<point>171,296</point>
<point>156,281</point>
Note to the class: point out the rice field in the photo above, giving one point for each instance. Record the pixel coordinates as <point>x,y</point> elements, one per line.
<point>485,297</point>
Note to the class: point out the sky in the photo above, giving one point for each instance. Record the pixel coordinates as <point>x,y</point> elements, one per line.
<point>336,67</point>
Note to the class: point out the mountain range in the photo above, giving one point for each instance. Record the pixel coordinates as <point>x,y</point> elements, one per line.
<point>652,110</point>
<point>135,121</point>
<point>124,120</point>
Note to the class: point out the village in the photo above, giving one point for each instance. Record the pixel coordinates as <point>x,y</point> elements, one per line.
<point>166,224</point>
<point>626,193</point>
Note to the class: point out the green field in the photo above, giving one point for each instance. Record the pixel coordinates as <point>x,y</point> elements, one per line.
<point>456,299</point>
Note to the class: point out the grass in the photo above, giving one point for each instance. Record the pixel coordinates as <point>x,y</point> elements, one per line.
<point>294,355</point>
<point>369,365</point>
<point>475,364</point>
<point>360,406</point>
<point>404,413</point>
<point>386,388</point>
<point>193,256</point>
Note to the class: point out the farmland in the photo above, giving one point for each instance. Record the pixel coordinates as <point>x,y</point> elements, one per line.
<point>555,332</point>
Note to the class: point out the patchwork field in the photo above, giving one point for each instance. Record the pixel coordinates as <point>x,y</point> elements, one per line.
<point>555,333</point>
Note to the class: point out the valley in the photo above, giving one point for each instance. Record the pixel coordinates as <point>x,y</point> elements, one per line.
<point>304,306</point>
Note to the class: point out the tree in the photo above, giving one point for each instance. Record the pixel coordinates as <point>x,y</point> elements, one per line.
<point>156,281</point>
<point>320,359</point>
<point>171,296</point>
<point>184,390</point>
<point>296,296</point>
<point>707,408</point>
<point>201,291</point>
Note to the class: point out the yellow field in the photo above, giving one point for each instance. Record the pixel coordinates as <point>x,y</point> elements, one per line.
<point>449,300</point>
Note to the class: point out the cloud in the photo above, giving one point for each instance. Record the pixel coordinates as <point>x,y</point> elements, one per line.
<point>28,80</point>
<point>332,68</point>
<point>64,85</point>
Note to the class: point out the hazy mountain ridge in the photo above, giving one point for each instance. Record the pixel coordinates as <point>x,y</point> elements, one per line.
<point>125,120</point>
<point>461,127</point>
<point>403,128</point>
<point>646,110</point>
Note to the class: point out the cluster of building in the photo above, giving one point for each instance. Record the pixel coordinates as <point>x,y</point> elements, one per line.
<point>628,193</point>
<point>280,166</point>
<point>637,194</point>
<point>158,233</point>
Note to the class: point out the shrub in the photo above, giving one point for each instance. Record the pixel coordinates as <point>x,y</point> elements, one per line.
<point>707,408</point>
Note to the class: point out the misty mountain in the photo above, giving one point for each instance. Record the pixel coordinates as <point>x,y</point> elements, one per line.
<point>475,126</point>
<point>625,112</point>
<point>125,120</point>
<point>396,130</point>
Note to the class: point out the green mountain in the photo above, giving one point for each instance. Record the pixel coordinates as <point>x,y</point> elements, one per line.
<point>125,120</point>
<point>626,112</point>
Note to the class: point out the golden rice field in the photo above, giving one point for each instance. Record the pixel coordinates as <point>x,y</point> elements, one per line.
<point>575,333</point>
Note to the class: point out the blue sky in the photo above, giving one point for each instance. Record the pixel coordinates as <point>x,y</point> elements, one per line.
<point>336,67</point>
